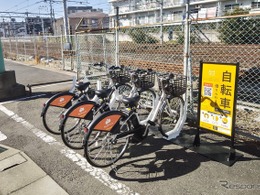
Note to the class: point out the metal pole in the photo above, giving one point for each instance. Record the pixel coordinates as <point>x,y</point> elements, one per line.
<point>117,36</point>
<point>51,14</point>
<point>66,29</point>
<point>42,27</point>
<point>186,39</point>
<point>161,21</point>
<point>186,58</point>
<point>25,27</point>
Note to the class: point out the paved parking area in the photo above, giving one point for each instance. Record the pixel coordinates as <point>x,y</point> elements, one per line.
<point>155,166</point>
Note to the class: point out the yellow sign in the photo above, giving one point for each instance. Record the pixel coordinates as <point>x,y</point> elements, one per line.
<point>217,97</point>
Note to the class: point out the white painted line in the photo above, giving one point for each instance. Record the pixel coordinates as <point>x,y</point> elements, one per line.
<point>97,173</point>
<point>2,136</point>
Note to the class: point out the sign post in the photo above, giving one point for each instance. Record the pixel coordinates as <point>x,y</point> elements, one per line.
<point>217,102</point>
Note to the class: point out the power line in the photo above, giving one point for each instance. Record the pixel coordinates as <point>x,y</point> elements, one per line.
<point>29,5</point>
<point>16,5</point>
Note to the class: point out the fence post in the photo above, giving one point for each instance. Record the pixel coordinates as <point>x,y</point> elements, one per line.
<point>186,53</point>
<point>105,49</point>
<point>24,45</point>
<point>16,45</point>
<point>77,53</point>
<point>36,57</point>
<point>10,46</point>
<point>47,49</point>
<point>117,37</point>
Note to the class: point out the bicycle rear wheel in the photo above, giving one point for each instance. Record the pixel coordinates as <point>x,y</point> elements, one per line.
<point>53,110</point>
<point>102,148</point>
<point>75,124</point>
<point>51,119</point>
<point>171,114</point>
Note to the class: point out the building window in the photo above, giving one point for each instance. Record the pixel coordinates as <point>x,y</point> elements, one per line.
<point>256,4</point>
<point>178,15</point>
<point>231,7</point>
<point>151,19</point>
<point>83,22</point>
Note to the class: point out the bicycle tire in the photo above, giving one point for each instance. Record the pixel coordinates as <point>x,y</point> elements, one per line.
<point>146,103</point>
<point>171,113</point>
<point>52,112</point>
<point>104,150</point>
<point>72,128</point>
<point>75,123</point>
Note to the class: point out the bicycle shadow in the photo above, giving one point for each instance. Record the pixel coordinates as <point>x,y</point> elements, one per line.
<point>156,159</point>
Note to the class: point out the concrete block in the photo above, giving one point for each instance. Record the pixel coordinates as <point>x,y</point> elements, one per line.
<point>7,79</point>
<point>43,186</point>
<point>8,86</point>
<point>18,176</point>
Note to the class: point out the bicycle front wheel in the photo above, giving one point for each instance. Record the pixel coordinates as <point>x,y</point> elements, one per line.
<point>171,114</point>
<point>121,91</point>
<point>103,147</point>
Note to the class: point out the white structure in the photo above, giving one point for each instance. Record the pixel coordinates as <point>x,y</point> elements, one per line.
<point>141,12</point>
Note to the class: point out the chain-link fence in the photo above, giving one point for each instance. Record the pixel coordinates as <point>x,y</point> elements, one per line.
<point>45,50</point>
<point>228,39</point>
<point>233,39</point>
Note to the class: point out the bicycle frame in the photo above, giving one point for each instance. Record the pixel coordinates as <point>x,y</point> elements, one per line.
<point>158,109</point>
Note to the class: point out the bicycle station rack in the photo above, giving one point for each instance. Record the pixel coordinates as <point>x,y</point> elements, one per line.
<point>46,83</point>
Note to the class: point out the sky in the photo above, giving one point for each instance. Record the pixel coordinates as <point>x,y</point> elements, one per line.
<point>41,7</point>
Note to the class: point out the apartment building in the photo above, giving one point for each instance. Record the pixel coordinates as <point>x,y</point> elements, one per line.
<point>77,9</point>
<point>141,12</point>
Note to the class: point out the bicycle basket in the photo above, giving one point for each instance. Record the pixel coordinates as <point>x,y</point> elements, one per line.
<point>177,86</point>
<point>145,81</point>
<point>119,76</point>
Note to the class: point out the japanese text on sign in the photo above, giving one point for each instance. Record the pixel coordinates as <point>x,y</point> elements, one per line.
<point>217,101</point>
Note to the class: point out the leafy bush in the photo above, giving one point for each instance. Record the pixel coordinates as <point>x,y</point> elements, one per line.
<point>240,30</point>
<point>140,36</point>
<point>180,38</point>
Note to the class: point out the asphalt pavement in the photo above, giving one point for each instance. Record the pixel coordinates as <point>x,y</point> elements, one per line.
<point>19,174</point>
<point>32,161</point>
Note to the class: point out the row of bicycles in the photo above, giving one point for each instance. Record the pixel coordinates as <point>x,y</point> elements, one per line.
<point>103,121</point>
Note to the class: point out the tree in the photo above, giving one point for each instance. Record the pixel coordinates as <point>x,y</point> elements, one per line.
<point>140,36</point>
<point>240,30</point>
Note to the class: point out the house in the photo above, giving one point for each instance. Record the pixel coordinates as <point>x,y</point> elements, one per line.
<point>83,21</point>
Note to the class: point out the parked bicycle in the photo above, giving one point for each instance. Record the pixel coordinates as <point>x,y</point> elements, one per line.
<point>109,135</point>
<point>75,120</point>
<point>55,106</point>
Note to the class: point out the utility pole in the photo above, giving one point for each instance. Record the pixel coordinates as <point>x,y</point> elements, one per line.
<point>65,18</point>
<point>51,13</point>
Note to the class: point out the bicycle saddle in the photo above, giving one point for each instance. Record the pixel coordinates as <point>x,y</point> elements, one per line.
<point>132,101</point>
<point>103,93</point>
<point>82,86</point>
